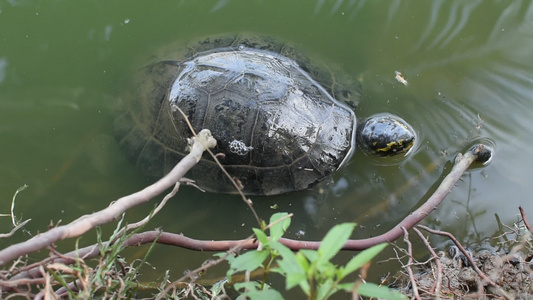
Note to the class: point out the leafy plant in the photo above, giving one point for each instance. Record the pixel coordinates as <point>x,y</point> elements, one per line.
<point>311,270</point>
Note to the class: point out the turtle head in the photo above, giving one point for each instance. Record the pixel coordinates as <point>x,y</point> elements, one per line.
<point>386,135</point>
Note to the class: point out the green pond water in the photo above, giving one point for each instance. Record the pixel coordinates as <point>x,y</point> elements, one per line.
<point>64,64</point>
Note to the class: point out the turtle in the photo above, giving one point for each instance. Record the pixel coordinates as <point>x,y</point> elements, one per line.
<point>282,120</point>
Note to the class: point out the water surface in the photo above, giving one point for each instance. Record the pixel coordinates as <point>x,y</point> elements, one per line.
<point>468,64</point>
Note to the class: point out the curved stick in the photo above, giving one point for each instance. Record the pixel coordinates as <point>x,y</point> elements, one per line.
<point>462,163</point>
<point>117,208</point>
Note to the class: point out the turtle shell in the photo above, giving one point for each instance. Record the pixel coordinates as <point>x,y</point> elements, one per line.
<point>272,111</point>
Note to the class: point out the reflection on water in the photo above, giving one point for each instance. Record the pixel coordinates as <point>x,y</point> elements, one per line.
<point>3,65</point>
<point>468,64</point>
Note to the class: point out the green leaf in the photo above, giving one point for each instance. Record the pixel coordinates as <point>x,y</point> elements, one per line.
<point>348,286</point>
<point>248,261</point>
<point>312,255</point>
<point>254,291</point>
<point>376,291</point>
<point>289,263</point>
<point>325,290</point>
<point>294,279</point>
<point>229,258</point>
<point>325,270</point>
<point>302,261</point>
<point>261,236</point>
<point>334,240</point>
<point>248,285</point>
<point>277,230</point>
<point>293,271</point>
<point>362,258</point>
<point>268,294</point>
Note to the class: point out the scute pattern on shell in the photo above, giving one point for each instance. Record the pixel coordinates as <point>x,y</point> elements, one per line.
<point>248,89</point>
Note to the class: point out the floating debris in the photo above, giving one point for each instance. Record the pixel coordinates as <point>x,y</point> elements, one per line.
<point>400,78</point>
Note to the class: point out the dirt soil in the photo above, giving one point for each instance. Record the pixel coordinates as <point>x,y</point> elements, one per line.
<point>512,273</point>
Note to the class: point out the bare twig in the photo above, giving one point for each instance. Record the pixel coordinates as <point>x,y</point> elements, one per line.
<point>524,219</point>
<point>20,189</point>
<point>469,257</point>
<point>19,226</point>
<point>12,215</point>
<point>237,186</point>
<point>435,257</point>
<point>148,237</point>
<point>87,222</point>
<point>462,163</point>
<point>409,263</point>
<point>152,214</point>
<point>19,282</point>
